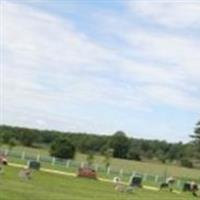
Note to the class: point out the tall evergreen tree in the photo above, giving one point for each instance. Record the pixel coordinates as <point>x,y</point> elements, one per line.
<point>197,131</point>
<point>196,136</point>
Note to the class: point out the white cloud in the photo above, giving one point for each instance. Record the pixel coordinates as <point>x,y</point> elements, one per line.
<point>182,52</point>
<point>169,59</point>
<point>171,96</point>
<point>50,67</point>
<point>39,45</point>
<point>177,14</point>
<point>36,37</point>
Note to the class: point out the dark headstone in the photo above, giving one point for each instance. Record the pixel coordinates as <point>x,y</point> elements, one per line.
<point>136,181</point>
<point>32,164</point>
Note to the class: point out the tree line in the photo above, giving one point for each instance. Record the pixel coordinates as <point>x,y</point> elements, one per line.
<point>118,145</point>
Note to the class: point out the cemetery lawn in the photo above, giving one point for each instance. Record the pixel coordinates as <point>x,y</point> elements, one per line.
<point>117,164</point>
<point>46,186</point>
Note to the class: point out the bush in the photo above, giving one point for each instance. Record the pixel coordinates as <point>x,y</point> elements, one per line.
<point>186,163</point>
<point>62,148</point>
<point>120,144</point>
<point>133,155</point>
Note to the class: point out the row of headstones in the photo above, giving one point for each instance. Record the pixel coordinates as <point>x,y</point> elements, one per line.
<point>156,179</point>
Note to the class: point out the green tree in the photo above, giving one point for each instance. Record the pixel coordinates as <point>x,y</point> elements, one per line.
<point>186,163</point>
<point>196,137</point>
<point>197,132</point>
<point>1,141</point>
<point>28,137</point>
<point>62,148</point>
<point>161,156</point>
<point>134,154</point>
<point>120,144</point>
<point>7,136</point>
<point>12,143</point>
<point>175,152</point>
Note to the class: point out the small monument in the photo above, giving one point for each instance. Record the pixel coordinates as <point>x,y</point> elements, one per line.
<point>87,172</point>
<point>135,181</point>
<point>3,160</point>
<point>35,165</point>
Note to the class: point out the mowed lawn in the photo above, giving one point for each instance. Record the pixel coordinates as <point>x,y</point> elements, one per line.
<point>46,186</point>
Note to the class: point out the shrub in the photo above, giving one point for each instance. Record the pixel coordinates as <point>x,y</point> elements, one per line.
<point>133,155</point>
<point>62,148</point>
<point>186,163</point>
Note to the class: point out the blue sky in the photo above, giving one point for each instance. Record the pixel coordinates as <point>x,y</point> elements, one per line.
<point>102,66</point>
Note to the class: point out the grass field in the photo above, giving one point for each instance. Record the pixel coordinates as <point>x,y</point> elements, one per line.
<point>46,186</point>
<point>129,166</point>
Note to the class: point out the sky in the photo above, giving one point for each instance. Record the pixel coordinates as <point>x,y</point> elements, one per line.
<point>101,66</point>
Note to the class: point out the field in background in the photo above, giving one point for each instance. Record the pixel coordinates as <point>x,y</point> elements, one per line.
<point>55,187</point>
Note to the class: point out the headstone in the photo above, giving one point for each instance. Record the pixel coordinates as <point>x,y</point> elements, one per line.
<point>32,164</point>
<point>3,160</point>
<point>25,174</point>
<point>87,172</point>
<point>136,181</point>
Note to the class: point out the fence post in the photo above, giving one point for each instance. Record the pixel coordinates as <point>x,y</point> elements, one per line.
<point>145,177</point>
<point>133,173</point>
<point>156,178</point>
<point>178,184</point>
<point>38,158</point>
<point>82,164</point>
<point>68,163</point>
<point>96,167</point>
<point>108,170</point>
<point>53,161</point>
<point>6,152</point>
<point>23,155</point>
<point>121,172</point>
